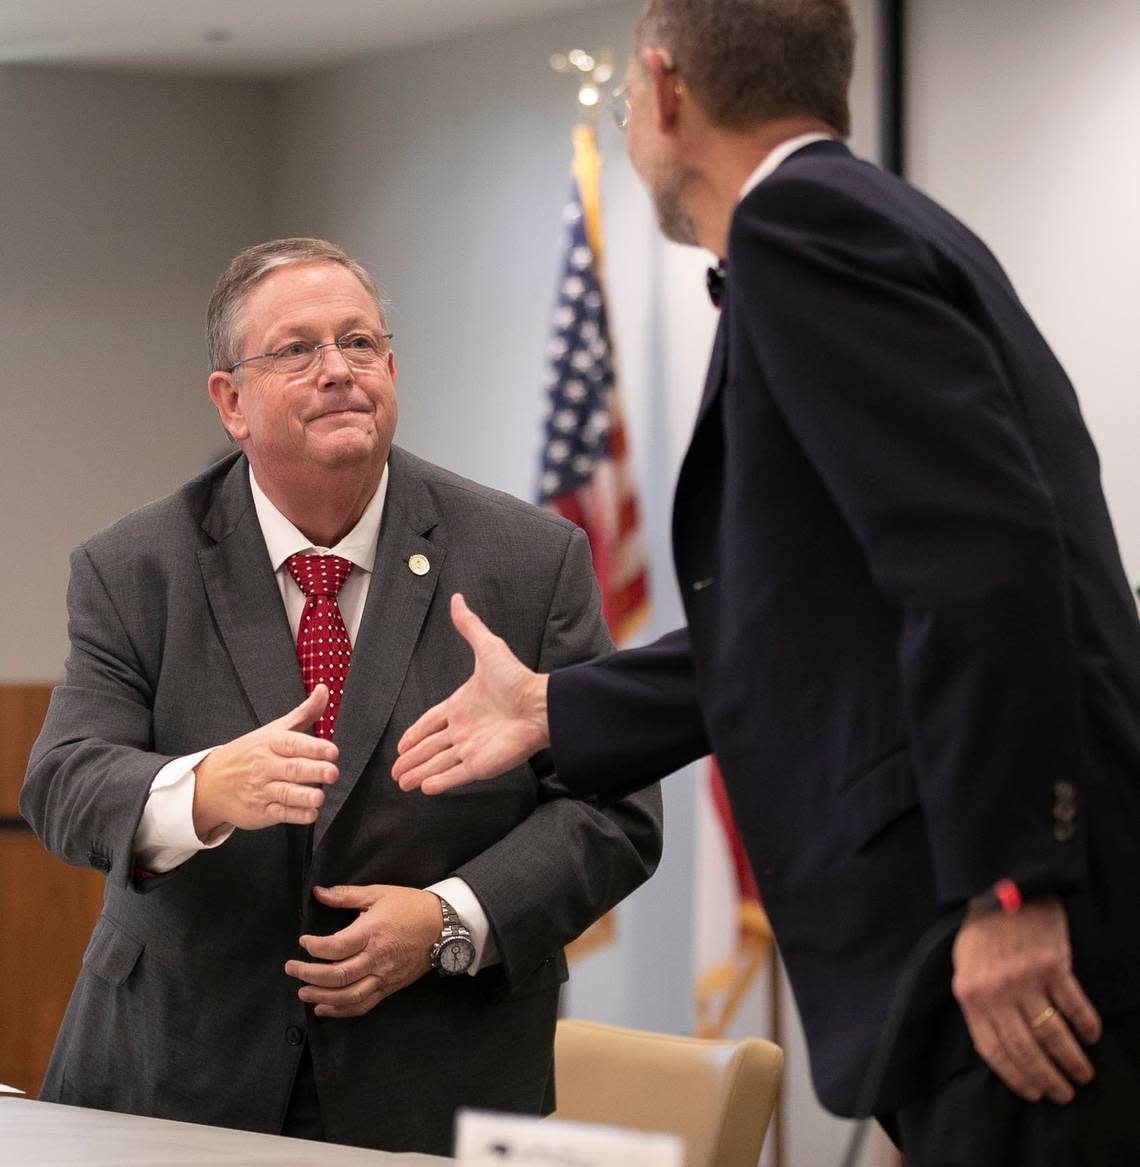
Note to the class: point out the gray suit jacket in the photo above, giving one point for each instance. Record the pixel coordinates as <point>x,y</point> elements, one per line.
<point>179,641</point>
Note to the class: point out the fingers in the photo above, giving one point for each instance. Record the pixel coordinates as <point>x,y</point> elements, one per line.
<point>337,976</point>
<point>991,1048</point>
<point>468,625</point>
<point>342,945</point>
<point>288,803</point>
<point>1026,1063</point>
<point>457,775</point>
<point>1026,1012</point>
<point>347,896</point>
<point>434,756</point>
<point>305,714</point>
<point>353,1000</point>
<point>301,770</point>
<point>1055,1039</point>
<point>434,721</point>
<point>1070,1000</point>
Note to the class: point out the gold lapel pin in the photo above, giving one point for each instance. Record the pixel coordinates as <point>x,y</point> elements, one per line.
<point>418,565</point>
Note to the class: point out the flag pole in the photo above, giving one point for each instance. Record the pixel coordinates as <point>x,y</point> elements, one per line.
<point>585,474</point>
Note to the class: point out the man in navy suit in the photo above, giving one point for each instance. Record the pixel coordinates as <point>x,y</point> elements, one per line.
<point>910,640</point>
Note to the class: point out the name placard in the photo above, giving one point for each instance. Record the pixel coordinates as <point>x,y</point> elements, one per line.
<point>485,1139</point>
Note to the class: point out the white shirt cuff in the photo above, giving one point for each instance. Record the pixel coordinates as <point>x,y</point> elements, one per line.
<point>166,837</point>
<point>465,902</point>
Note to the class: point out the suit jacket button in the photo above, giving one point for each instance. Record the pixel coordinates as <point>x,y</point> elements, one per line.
<point>1064,791</point>
<point>99,861</point>
<point>1063,832</point>
<point>293,1035</point>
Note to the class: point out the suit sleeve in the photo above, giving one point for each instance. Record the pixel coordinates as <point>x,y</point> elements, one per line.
<point>629,719</point>
<point>91,767</point>
<point>572,859</point>
<point>903,406</point>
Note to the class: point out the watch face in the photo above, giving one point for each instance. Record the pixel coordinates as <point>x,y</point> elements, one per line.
<point>456,955</point>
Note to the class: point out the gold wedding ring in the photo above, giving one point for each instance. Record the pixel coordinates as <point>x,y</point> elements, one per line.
<point>1042,1017</point>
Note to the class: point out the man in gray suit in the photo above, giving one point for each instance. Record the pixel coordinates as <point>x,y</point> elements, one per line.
<point>274,905</point>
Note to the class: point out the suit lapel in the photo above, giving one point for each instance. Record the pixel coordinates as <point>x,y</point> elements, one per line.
<point>398,601</point>
<point>718,362</point>
<point>241,589</point>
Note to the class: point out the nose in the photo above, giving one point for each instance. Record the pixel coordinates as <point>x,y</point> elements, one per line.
<point>333,367</point>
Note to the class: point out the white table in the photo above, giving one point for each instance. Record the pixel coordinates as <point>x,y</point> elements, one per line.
<point>44,1134</point>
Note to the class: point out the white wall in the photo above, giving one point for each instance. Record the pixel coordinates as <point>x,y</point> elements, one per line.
<point>1022,120</point>
<point>122,196</point>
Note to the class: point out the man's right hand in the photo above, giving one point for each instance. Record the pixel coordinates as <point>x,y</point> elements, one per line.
<point>494,721</point>
<point>268,776</point>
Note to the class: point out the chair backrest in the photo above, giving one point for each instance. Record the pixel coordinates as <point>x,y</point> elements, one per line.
<point>717,1095</point>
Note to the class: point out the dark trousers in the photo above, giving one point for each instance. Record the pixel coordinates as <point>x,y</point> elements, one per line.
<point>303,1116</point>
<point>976,1121</point>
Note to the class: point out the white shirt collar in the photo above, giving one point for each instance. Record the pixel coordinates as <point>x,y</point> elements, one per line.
<point>282,539</point>
<point>774,157</point>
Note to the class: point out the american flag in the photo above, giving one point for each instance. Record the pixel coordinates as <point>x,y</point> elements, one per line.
<point>585,473</point>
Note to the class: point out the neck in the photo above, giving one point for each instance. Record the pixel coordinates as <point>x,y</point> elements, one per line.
<point>727,160</point>
<point>323,506</point>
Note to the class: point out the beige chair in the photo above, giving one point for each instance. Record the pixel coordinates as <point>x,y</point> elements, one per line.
<point>717,1095</point>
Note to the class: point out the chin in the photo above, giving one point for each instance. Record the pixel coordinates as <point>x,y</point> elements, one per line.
<point>345,448</point>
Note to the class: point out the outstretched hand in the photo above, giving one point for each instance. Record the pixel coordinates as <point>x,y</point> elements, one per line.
<point>1026,1012</point>
<point>491,723</point>
<point>269,776</point>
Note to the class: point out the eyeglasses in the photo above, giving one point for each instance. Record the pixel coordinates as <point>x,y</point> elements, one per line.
<point>619,106</point>
<point>619,98</point>
<point>360,349</point>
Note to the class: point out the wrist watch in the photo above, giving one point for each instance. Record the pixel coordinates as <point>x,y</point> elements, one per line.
<point>454,951</point>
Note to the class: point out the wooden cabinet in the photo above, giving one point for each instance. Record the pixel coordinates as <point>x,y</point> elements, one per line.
<point>47,909</point>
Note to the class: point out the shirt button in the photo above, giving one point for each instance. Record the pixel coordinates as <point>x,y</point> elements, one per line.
<point>294,1036</point>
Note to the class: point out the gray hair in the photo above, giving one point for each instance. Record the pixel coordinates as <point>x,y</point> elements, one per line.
<point>251,266</point>
<point>748,61</point>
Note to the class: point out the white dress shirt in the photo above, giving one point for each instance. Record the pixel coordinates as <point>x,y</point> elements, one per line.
<point>166,837</point>
<point>774,157</point>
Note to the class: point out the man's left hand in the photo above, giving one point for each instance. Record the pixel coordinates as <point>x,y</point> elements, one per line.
<point>1025,1010</point>
<point>385,948</point>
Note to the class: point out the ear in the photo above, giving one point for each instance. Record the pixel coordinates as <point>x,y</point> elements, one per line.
<point>392,365</point>
<point>227,401</point>
<point>658,64</point>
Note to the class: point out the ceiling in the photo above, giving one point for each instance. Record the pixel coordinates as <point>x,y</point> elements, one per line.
<point>240,38</point>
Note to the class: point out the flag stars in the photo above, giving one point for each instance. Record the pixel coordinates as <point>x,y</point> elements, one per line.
<point>580,377</point>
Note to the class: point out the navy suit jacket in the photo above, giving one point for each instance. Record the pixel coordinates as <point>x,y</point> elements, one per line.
<point>910,640</point>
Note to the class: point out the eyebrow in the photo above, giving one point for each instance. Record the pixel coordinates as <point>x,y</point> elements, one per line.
<point>348,324</point>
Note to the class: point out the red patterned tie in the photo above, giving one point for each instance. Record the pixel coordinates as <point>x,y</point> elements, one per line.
<point>324,651</point>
